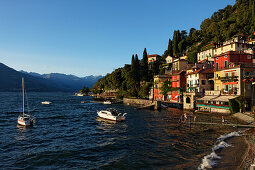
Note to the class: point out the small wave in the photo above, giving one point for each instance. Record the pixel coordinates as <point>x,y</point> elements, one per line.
<point>210,160</point>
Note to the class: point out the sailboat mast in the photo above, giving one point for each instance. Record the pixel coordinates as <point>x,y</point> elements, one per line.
<point>23,95</point>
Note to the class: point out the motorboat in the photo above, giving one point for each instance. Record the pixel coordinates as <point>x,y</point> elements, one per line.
<point>24,119</point>
<point>107,102</point>
<point>111,114</point>
<point>46,102</point>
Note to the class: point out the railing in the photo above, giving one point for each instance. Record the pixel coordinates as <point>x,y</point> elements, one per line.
<point>175,79</point>
<point>213,105</point>
<point>229,79</point>
<point>233,91</point>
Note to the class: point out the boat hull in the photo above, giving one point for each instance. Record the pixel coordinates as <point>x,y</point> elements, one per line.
<point>23,122</point>
<point>110,117</point>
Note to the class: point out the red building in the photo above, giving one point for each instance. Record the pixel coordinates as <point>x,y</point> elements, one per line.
<point>222,61</point>
<point>158,83</point>
<point>178,86</point>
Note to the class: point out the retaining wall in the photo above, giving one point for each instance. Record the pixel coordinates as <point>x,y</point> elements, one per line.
<point>130,101</point>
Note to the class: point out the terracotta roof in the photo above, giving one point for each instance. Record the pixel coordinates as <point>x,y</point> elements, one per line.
<point>231,52</point>
<point>204,71</point>
<point>153,55</point>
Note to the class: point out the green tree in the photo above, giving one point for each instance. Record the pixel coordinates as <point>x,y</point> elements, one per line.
<point>144,66</point>
<point>166,87</point>
<point>176,40</point>
<point>170,47</point>
<point>84,90</point>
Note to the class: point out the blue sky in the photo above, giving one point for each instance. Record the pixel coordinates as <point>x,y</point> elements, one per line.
<point>92,37</point>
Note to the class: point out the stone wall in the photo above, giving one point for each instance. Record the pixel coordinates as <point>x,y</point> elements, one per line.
<point>130,101</point>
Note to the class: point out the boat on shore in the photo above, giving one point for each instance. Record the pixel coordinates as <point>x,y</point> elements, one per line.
<point>46,102</point>
<point>107,102</point>
<point>111,114</point>
<point>24,119</point>
<point>79,94</point>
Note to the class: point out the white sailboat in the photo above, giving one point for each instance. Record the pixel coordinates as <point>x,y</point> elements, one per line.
<point>24,119</point>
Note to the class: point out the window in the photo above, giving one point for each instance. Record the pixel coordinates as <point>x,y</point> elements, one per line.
<point>226,56</point>
<point>249,57</point>
<point>187,100</point>
<point>217,65</point>
<point>177,91</point>
<point>217,58</point>
<point>203,82</point>
<point>217,75</point>
<point>225,63</point>
<point>218,88</point>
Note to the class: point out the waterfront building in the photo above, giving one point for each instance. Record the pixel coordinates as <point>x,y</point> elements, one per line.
<point>198,79</point>
<point>178,87</point>
<point>213,101</point>
<point>158,83</point>
<point>230,82</point>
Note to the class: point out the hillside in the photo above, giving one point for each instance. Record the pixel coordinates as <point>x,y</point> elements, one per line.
<point>11,81</point>
<point>68,82</point>
<point>221,26</point>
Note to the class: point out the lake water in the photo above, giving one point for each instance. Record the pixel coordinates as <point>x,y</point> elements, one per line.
<point>68,134</point>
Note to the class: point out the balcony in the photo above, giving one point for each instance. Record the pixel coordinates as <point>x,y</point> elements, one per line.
<point>219,106</point>
<point>229,79</point>
<point>229,92</point>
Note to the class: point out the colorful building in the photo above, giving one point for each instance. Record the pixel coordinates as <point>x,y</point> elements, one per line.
<point>237,43</point>
<point>179,65</point>
<point>207,52</point>
<point>158,83</point>
<point>222,61</point>
<point>178,87</point>
<point>152,58</point>
<point>170,59</point>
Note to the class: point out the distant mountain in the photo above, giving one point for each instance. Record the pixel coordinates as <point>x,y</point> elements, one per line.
<point>11,81</point>
<point>69,82</point>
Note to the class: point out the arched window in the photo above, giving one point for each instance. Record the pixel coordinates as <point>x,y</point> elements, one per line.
<point>187,100</point>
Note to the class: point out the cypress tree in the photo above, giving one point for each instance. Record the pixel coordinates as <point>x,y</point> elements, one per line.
<point>137,69</point>
<point>144,66</point>
<point>170,47</point>
<point>176,40</point>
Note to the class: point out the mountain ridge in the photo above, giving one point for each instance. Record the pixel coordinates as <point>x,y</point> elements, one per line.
<point>11,81</point>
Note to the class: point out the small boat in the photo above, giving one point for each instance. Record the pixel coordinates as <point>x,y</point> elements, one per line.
<point>79,94</point>
<point>46,102</point>
<point>111,114</point>
<point>24,119</point>
<point>107,102</point>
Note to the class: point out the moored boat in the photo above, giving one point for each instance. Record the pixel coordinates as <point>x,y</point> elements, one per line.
<point>111,114</point>
<point>107,102</point>
<point>46,102</point>
<point>24,119</point>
